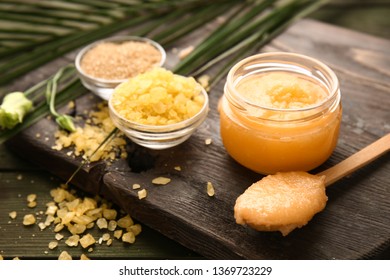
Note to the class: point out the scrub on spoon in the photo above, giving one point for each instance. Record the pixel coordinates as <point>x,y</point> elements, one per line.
<point>289,200</point>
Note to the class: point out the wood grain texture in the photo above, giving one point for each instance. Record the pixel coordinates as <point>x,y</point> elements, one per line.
<point>356,161</point>
<point>10,162</point>
<point>356,221</point>
<point>29,242</point>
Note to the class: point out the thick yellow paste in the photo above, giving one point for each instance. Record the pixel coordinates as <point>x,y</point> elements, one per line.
<point>281,90</point>
<point>281,202</point>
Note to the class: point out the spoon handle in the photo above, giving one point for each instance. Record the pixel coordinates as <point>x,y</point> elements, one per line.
<point>357,160</point>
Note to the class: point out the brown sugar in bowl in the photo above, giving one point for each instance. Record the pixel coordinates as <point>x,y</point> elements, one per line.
<point>107,63</point>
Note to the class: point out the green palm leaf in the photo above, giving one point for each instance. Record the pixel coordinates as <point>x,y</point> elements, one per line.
<point>68,25</point>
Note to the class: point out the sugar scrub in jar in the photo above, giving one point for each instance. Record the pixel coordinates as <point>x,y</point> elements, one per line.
<point>280,112</point>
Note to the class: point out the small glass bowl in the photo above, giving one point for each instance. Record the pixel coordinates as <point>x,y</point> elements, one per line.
<point>105,87</point>
<point>160,137</point>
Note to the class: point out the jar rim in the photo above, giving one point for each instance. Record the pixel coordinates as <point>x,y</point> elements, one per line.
<point>87,48</point>
<point>284,57</point>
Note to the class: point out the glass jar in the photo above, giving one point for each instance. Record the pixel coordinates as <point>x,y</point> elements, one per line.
<point>268,140</point>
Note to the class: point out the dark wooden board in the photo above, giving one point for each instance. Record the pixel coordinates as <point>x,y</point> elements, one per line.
<point>356,221</point>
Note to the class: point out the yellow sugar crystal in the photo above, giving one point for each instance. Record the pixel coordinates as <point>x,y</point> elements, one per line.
<point>112,225</point>
<point>208,141</point>
<point>128,237</point>
<point>102,223</point>
<point>32,204</point>
<point>65,256</point>
<point>142,194</point>
<point>118,233</point>
<point>109,214</point>
<point>29,219</point>
<point>106,236</point>
<point>76,228</point>
<point>136,229</point>
<point>158,97</point>
<point>52,245</point>
<point>210,189</point>
<point>58,227</point>
<point>87,240</point>
<point>161,181</point>
<point>125,221</point>
<point>31,197</point>
<point>59,236</point>
<point>86,139</point>
<point>73,241</point>
<point>84,257</point>
<point>13,215</point>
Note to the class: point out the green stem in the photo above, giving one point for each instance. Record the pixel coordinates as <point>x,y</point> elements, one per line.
<point>106,140</point>
<point>65,6</point>
<point>237,48</point>
<point>35,19</point>
<point>156,23</point>
<point>51,89</point>
<point>35,92</point>
<point>185,25</point>
<point>225,69</point>
<point>29,61</point>
<point>35,87</point>
<point>98,4</point>
<point>71,92</point>
<point>261,40</point>
<point>219,36</point>
<point>260,25</point>
<point>56,14</point>
<point>64,121</point>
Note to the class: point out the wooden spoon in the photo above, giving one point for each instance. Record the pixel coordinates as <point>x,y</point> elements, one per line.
<point>357,160</point>
<point>288,200</point>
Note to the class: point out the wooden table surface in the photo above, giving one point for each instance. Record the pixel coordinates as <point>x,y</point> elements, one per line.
<point>18,178</point>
